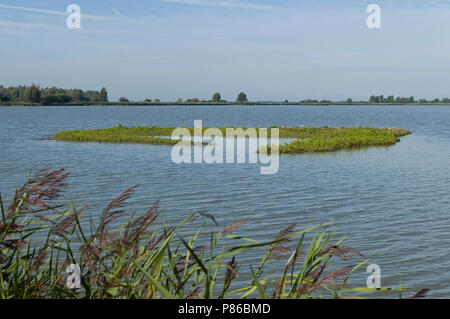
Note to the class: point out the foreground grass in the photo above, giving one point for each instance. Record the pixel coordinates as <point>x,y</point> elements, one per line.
<point>308,139</point>
<point>142,258</point>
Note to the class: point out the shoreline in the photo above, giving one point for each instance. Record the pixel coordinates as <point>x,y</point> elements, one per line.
<point>221,104</point>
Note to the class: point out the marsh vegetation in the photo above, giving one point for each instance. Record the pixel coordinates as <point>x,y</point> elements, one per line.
<point>144,258</point>
<point>307,139</point>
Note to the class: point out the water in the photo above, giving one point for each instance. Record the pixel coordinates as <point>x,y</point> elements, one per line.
<point>394,201</point>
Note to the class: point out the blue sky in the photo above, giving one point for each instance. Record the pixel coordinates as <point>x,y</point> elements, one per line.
<point>272,50</point>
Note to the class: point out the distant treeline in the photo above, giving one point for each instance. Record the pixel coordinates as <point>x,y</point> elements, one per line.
<point>404,100</point>
<point>35,95</point>
<point>50,96</point>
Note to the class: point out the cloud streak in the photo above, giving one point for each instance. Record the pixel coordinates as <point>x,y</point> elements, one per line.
<point>53,12</point>
<point>233,4</point>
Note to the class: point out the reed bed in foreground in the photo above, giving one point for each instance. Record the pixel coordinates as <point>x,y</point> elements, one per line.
<point>142,258</point>
<point>307,139</point>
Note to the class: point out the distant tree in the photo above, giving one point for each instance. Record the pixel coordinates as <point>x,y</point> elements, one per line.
<point>242,98</point>
<point>180,100</point>
<point>50,100</point>
<point>390,99</point>
<point>411,99</point>
<point>17,94</point>
<point>77,95</point>
<point>372,99</point>
<point>157,100</point>
<point>4,94</point>
<point>52,95</point>
<point>27,95</point>
<point>123,100</point>
<point>32,94</point>
<point>349,101</point>
<point>216,97</point>
<point>148,101</point>
<point>55,99</point>
<point>104,95</point>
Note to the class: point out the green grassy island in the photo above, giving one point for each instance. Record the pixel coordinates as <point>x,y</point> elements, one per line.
<point>307,139</point>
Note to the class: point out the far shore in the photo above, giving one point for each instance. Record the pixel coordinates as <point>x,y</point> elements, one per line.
<point>208,103</point>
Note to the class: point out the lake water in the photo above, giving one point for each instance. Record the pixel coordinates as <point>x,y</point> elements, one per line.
<point>394,201</point>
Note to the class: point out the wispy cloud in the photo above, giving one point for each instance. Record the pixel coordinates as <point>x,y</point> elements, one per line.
<point>220,3</point>
<point>20,24</point>
<point>53,12</point>
<point>25,28</point>
<point>107,46</point>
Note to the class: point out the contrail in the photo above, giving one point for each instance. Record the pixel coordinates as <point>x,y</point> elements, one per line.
<point>61,13</point>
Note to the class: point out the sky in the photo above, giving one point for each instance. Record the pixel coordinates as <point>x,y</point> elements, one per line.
<point>269,49</point>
